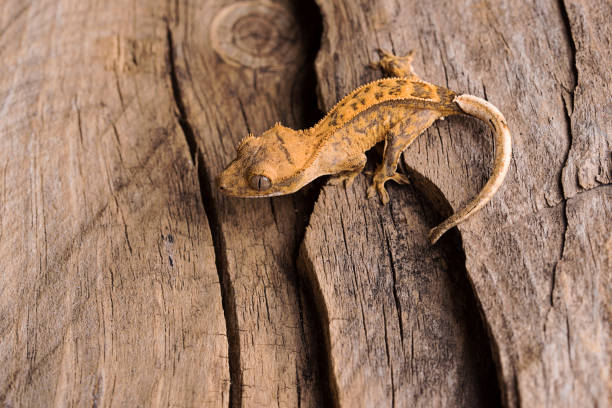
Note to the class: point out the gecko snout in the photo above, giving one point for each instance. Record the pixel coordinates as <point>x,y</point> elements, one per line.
<point>229,182</point>
<point>221,184</point>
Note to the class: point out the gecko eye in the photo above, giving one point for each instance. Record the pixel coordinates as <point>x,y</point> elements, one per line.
<point>260,183</point>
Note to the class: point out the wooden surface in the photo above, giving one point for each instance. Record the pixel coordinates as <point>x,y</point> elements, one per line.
<point>109,291</point>
<point>127,280</point>
<point>538,256</point>
<point>237,65</point>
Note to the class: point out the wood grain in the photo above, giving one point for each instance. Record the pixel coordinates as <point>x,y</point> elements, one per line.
<point>109,291</point>
<point>520,57</point>
<point>127,280</point>
<point>399,313</point>
<point>239,67</point>
<point>589,162</point>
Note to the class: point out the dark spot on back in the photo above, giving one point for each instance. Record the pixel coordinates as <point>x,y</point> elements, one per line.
<point>366,89</point>
<point>445,95</point>
<point>378,95</point>
<point>354,106</point>
<point>420,91</point>
<point>396,90</point>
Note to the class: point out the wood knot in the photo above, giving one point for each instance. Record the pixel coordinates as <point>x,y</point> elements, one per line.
<point>255,34</point>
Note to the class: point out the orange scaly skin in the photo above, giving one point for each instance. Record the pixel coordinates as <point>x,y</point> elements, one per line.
<point>396,110</point>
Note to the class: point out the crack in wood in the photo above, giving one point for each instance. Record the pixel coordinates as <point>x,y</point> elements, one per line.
<point>564,217</point>
<point>570,39</point>
<point>212,215</point>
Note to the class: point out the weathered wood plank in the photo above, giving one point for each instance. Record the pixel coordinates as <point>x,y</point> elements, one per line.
<point>109,295</point>
<point>579,324</point>
<point>402,323</point>
<point>240,68</point>
<point>112,284</point>
<point>582,290</point>
<point>589,162</point>
<point>520,57</point>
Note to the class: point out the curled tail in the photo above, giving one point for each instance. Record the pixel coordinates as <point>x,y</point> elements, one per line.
<point>488,113</point>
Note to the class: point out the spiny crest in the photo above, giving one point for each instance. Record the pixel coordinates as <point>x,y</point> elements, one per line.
<point>356,90</point>
<point>284,129</point>
<point>245,140</point>
<point>374,92</point>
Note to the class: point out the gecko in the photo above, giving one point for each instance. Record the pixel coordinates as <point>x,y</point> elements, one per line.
<point>395,109</point>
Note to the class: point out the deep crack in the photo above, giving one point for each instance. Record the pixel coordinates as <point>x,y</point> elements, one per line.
<point>568,120</point>
<point>309,20</point>
<point>227,292</point>
<point>487,361</point>
<point>570,39</point>
<point>570,92</point>
<point>564,203</point>
<point>398,304</point>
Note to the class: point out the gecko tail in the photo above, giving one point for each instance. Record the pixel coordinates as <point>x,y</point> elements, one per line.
<point>485,111</point>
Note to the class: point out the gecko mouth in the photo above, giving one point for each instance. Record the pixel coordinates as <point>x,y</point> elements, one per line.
<point>238,194</point>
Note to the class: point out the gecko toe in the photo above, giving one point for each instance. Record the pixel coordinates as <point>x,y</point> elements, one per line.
<point>378,188</point>
<point>334,181</point>
<point>349,181</point>
<point>382,193</point>
<point>399,178</point>
<point>371,192</point>
<point>384,53</point>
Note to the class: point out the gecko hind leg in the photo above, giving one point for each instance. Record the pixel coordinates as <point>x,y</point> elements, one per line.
<point>394,65</point>
<point>395,144</point>
<point>396,141</point>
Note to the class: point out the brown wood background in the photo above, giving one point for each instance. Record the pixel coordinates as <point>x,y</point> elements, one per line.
<point>127,280</point>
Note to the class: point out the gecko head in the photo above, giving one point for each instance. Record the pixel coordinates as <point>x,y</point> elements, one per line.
<point>266,166</point>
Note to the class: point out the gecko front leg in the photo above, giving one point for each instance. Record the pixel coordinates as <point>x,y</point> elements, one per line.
<point>396,141</point>
<point>352,168</point>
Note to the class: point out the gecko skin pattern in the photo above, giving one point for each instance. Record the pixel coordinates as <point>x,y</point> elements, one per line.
<point>395,110</point>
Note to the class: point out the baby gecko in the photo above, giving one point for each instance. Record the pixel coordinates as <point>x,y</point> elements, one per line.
<point>395,109</point>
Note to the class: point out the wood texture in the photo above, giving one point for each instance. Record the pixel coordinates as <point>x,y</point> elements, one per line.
<point>402,323</point>
<point>109,291</point>
<point>521,57</point>
<point>127,280</point>
<point>239,67</point>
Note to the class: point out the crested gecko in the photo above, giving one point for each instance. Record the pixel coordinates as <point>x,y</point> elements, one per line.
<point>395,110</point>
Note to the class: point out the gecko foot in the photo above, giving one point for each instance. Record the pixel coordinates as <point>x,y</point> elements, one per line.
<point>347,177</point>
<point>394,65</point>
<point>378,185</point>
<point>350,169</point>
<point>380,189</point>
